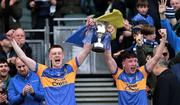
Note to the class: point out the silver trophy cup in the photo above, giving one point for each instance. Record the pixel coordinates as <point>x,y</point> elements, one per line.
<point>98,46</point>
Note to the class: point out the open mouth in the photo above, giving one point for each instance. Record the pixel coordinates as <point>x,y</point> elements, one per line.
<point>133,68</point>
<point>57,60</point>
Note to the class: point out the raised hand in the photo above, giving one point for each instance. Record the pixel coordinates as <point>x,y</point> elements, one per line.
<point>10,34</point>
<point>163,33</point>
<point>11,60</point>
<point>90,21</point>
<point>127,26</point>
<point>110,29</point>
<point>162,6</point>
<point>139,39</point>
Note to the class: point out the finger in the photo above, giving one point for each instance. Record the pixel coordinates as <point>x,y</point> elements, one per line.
<point>162,1</point>
<point>159,31</point>
<point>165,2</point>
<point>159,2</point>
<point>4,97</point>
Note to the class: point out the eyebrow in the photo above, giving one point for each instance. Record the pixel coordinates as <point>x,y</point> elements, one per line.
<point>4,65</point>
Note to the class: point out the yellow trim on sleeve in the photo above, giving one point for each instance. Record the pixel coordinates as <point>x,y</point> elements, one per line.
<point>73,64</point>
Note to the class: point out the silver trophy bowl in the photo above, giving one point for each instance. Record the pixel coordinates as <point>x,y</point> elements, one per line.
<point>98,46</point>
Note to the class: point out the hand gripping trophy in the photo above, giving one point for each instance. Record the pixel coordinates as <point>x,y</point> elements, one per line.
<point>102,27</point>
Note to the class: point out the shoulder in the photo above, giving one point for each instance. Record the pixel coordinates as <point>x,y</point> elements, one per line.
<point>15,78</point>
<point>33,74</point>
<point>149,16</point>
<point>137,16</point>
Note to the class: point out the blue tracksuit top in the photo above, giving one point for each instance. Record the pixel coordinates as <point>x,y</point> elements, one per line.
<point>172,38</point>
<point>16,86</point>
<point>148,19</point>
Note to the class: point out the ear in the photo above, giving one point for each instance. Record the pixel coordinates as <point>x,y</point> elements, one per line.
<point>123,64</point>
<point>50,56</point>
<point>63,55</point>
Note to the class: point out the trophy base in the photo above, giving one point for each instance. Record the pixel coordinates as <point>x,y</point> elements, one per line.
<point>98,47</point>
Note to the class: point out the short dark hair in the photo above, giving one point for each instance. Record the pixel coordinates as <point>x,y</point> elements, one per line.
<point>3,60</point>
<point>127,54</point>
<point>141,3</point>
<point>56,46</point>
<point>147,29</point>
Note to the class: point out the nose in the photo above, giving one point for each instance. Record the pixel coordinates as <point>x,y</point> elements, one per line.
<point>21,69</point>
<point>134,63</point>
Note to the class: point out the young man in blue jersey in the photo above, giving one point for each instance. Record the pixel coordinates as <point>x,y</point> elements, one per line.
<point>131,79</point>
<point>58,80</point>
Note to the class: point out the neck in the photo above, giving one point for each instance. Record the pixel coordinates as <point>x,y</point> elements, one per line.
<point>56,66</point>
<point>3,78</point>
<point>144,15</point>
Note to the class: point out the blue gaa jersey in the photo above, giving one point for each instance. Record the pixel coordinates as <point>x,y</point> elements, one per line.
<point>131,88</point>
<point>58,83</point>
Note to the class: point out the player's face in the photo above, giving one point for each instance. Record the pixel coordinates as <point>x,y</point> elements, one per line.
<point>130,65</point>
<point>142,9</point>
<point>22,69</point>
<point>56,57</point>
<point>4,68</point>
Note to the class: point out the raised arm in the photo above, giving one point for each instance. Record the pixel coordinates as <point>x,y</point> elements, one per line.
<point>28,61</point>
<point>158,53</point>
<point>107,54</point>
<point>111,63</point>
<point>87,40</point>
<point>172,38</point>
<point>84,53</point>
<point>162,8</point>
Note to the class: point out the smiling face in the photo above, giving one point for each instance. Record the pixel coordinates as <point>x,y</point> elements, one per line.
<point>56,56</point>
<point>4,69</point>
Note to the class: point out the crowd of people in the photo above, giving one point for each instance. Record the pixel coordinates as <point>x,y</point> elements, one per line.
<point>144,59</point>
